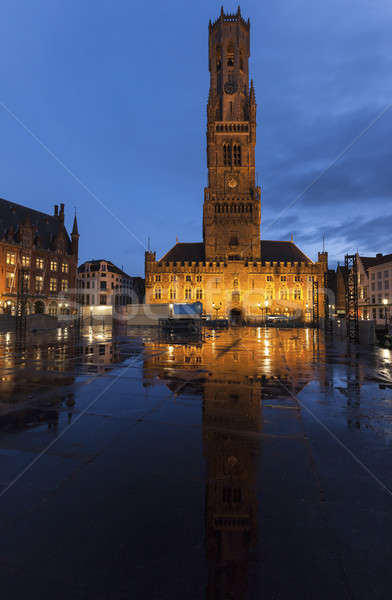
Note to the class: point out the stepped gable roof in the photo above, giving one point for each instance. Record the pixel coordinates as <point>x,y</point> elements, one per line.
<point>193,251</point>
<point>46,227</point>
<point>282,252</point>
<point>270,251</point>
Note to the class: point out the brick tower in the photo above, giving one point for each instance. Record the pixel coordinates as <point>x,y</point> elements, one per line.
<point>231,212</point>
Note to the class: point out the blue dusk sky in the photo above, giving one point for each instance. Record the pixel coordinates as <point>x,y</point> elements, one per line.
<point>103,107</point>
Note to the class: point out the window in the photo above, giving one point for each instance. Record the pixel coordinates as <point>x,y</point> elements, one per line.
<point>103,285</point>
<point>157,278</point>
<point>173,278</point>
<point>52,284</point>
<point>386,274</point>
<point>188,278</point>
<point>9,280</point>
<point>158,293</point>
<point>379,285</point>
<point>283,278</point>
<point>297,294</point>
<point>64,268</point>
<point>53,265</point>
<point>297,278</point>
<point>64,285</point>
<point>103,268</point>
<point>173,294</point>
<point>198,277</point>
<point>10,258</point>
<point>379,274</point>
<point>269,278</point>
<point>235,282</point>
<point>386,284</point>
<point>373,286</point>
<point>230,55</point>
<point>39,263</point>
<point>26,281</point>
<point>284,294</point>
<point>373,276</point>
<point>237,154</point>
<point>188,294</point>
<point>25,261</point>
<point>39,283</point>
<point>102,299</point>
<point>199,294</point>
<point>227,155</point>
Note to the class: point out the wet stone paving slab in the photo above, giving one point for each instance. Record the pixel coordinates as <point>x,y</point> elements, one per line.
<point>252,463</point>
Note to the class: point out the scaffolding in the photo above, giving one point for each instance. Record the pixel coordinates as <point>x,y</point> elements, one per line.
<point>351,275</point>
<point>315,302</point>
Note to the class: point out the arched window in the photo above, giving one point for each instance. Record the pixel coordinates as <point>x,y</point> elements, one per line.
<point>227,155</point>
<point>218,58</point>
<point>269,293</point>
<point>173,293</point>
<point>225,208</point>
<point>230,55</point>
<point>237,154</point>
<point>249,208</point>
<point>297,294</point>
<point>199,294</point>
<point>242,208</point>
<point>188,293</point>
<point>233,241</point>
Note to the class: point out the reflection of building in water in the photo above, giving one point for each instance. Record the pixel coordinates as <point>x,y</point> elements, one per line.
<point>231,427</point>
<point>235,374</point>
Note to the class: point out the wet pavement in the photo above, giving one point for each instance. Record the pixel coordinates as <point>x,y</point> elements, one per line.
<point>255,463</point>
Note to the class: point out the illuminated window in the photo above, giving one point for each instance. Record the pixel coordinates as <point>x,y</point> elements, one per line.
<point>199,294</point>
<point>284,294</point>
<point>64,285</point>
<point>39,263</point>
<point>52,284</point>
<point>158,293</point>
<point>10,258</point>
<point>25,261</point>
<point>9,280</point>
<point>26,281</point>
<point>297,294</point>
<point>39,282</point>
<point>53,265</point>
<point>64,267</point>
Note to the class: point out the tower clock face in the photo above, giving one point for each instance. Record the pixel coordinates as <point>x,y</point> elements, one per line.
<point>230,87</point>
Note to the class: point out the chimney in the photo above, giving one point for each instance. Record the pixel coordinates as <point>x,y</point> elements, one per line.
<point>379,255</point>
<point>56,210</point>
<point>61,215</point>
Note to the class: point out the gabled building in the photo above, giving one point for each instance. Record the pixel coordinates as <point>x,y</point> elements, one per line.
<point>101,283</point>
<point>38,260</point>
<point>232,271</point>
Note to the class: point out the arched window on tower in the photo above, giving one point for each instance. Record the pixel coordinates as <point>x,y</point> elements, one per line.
<point>218,58</point>
<point>241,61</point>
<point>237,154</point>
<point>230,55</point>
<point>227,155</point>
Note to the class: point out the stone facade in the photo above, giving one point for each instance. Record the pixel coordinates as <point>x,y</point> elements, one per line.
<point>232,272</point>
<point>38,260</point>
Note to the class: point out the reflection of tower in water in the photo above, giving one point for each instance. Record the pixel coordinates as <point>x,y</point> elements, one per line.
<point>231,426</point>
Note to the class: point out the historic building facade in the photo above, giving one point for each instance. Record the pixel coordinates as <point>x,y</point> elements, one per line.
<point>234,272</point>
<point>38,260</point>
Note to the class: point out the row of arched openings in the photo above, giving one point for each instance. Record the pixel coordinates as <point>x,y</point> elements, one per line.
<point>232,154</point>
<point>233,208</point>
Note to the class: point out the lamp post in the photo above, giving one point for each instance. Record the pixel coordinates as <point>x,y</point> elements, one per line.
<point>266,304</point>
<point>386,307</point>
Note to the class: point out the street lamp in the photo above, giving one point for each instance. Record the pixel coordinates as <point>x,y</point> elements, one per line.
<point>386,307</point>
<point>266,304</point>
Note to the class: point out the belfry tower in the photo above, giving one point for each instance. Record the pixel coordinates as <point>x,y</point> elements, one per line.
<point>231,212</point>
